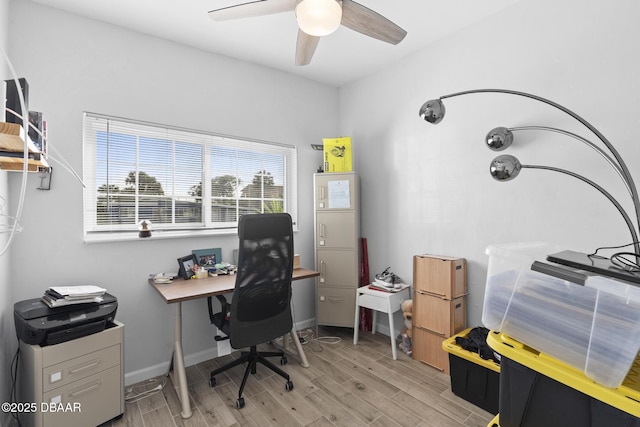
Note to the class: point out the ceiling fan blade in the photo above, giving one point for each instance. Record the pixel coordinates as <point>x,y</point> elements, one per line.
<point>370,23</point>
<point>305,47</point>
<point>254,8</point>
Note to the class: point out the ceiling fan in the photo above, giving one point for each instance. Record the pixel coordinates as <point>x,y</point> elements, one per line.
<point>317,18</point>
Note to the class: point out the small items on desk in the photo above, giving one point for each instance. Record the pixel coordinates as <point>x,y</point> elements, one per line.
<point>163,278</point>
<point>223,268</point>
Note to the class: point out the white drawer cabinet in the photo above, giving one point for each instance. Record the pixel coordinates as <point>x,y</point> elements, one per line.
<point>74,383</point>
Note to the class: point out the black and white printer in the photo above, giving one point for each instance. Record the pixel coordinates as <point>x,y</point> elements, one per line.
<point>37,323</point>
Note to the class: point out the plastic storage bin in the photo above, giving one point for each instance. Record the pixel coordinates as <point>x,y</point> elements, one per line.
<point>538,390</point>
<point>595,327</point>
<point>474,379</point>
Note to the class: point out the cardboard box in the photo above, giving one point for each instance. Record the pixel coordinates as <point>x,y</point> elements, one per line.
<point>444,276</point>
<point>296,261</point>
<point>337,154</point>
<point>441,316</point>
<point>427,348</point>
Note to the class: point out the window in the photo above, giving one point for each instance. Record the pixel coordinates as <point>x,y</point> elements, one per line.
<point>180,180</point>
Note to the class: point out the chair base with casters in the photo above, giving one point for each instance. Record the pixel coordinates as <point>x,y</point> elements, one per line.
<point>252,358</point>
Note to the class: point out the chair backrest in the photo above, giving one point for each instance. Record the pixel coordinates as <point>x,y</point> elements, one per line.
<point>261,303</point>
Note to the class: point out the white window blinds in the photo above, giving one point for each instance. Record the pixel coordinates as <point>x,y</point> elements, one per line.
<point>179,179</point>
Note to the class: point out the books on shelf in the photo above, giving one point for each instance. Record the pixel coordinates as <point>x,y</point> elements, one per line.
<point>58,296</point>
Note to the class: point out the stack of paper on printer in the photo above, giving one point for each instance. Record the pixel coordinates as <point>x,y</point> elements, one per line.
<point>57,296</point>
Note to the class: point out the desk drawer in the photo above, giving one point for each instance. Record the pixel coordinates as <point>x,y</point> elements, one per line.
<point>373,302</point>
<point>440,316</point>
<point>338,267</point>
<point>97,399</point>
<point>336,306</point>
<point>427,348</point>
<point>80,367</point>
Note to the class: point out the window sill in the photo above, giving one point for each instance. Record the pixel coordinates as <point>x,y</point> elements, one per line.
<point>126,236</point>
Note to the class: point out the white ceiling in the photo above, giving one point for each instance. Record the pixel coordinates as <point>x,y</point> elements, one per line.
<point>341,57</point>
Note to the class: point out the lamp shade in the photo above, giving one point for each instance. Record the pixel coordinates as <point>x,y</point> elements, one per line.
<point>318,17</point>
<point>499,138</point>
<point>432,111</point>
<point>505,167</point>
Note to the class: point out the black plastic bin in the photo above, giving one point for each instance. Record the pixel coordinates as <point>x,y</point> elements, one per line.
<point>474,379</point>
<point>529,397</point>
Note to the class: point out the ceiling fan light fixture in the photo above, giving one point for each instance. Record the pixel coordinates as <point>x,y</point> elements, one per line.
<point>318,17</point>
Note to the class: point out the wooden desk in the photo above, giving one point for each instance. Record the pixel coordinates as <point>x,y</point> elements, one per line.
<point>184,290</point>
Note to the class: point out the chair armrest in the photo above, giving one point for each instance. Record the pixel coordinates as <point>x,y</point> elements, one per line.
<point>224,307</point>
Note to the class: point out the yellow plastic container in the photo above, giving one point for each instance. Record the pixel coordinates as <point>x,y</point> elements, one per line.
<point>494,422</point>
<point>626,398</point>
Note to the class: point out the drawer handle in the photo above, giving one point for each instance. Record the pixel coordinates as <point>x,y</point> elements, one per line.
<point>87,389</point>
<point>322,266</point>
<point>334,299</point>
<point>322,192</point>
<point>322,230</point>
<point>79,369</point>
<point>431,294</point>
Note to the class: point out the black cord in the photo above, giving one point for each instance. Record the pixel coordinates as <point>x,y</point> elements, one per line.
<point>595,253</point>
<point>620,260</point>
<point>14,376</point>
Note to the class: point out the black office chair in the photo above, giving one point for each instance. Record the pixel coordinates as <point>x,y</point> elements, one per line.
<point>260,309</point>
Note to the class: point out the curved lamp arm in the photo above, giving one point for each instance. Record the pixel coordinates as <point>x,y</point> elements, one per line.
<point>506,167</point>
<point>590,144</point>
<point>433,111</point>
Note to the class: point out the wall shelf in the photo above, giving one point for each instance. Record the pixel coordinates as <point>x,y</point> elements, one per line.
<point>12,149</point>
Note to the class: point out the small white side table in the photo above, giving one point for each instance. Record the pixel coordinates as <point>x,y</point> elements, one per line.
<point>386,302</point>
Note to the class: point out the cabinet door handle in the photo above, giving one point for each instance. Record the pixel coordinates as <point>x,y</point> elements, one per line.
<point>336,299</point>
<point>322,230</point>
<point>322,192</point>
<point>322,268</point>
<point>84,390</point>
<point>77,369</point>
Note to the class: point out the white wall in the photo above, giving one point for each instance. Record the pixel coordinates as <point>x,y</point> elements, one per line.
<point>426,188</point>
<point>73,65</point>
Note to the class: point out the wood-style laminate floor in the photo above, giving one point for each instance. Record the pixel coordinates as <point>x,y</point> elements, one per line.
<point>346,385</point>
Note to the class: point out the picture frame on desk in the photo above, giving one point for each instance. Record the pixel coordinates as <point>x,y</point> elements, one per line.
<point>186,264</point>
<point>207,258</point>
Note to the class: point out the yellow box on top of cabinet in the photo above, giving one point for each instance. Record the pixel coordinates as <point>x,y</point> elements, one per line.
<point>337,154</point>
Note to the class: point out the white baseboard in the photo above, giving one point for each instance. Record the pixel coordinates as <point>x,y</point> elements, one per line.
<point>189,359</point>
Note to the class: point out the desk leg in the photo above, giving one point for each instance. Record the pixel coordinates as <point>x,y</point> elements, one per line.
<point>178,364</point>
<point>296,342</point>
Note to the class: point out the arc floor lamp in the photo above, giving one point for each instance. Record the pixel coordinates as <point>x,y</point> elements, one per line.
<point>506,167</point>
